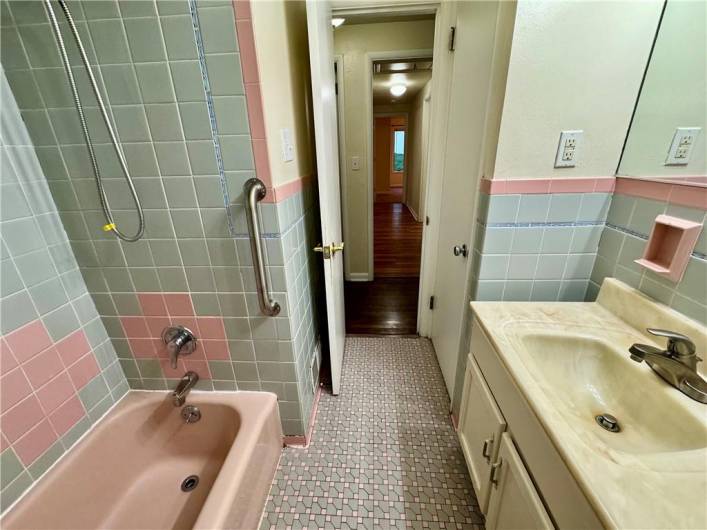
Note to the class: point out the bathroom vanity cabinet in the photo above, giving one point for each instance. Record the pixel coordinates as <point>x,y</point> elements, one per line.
<point>518,475</point>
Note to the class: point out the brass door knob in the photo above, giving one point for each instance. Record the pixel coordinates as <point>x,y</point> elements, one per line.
<point>329,250</point>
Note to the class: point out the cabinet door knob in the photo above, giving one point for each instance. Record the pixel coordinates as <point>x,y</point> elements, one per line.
<point>494,472</point>
<point>486,449</point>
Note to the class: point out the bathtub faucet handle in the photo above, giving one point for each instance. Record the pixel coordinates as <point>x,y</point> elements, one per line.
<point>179,341</point>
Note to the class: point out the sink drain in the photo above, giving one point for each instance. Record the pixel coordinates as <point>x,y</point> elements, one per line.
<point>189,483</point>
<point>608,422</point>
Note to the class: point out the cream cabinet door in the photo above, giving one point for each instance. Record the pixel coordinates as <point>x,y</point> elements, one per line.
<point>514,504</point>
<point>480,428</point>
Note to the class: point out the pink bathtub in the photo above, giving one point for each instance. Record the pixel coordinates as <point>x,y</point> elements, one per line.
<point>128,472</point>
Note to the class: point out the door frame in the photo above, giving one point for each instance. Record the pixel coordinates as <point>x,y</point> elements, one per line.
<point>340,106</point>
<point>445,18</point>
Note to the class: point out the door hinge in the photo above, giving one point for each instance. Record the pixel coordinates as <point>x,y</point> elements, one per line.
<point>452,38</point>
<point>427,220</point>
<point>432,302</point>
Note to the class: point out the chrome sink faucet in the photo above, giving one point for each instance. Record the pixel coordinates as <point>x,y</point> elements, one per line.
<point>186,383</point>
<point>677,364</point>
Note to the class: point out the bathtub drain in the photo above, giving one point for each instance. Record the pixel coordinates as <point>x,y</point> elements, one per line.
<point>189,483</point>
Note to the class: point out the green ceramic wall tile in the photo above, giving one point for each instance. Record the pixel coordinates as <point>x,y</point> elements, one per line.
<point>48,296</point>
<point>195,120</point>
<point>237,152</point>
<point>137,8</point>
<point>188,84</point>
<point>145,39</point>
<point>97,9</point>
<point>12,54</point>
<point>225,74</point>
<point>145,279</point>
<point>10,467</point>
<point>131,123</point>
<point>172,279</point>
<point>217,25</point>
<point>151,193</point>
<point>208,192</point>
<point>24,87</point>
<point>137,253</point>
<point>172,159</point>
<point>61,322</point>
<point>187,223</point>
<point>202,157</point>
<point>44,462</point>
<point>231,114</point>
<point>222,370</point>
<point>172,7</point>
<point>194,252</point>
<point>206,304</point>
<point>109,41</point>
<point>200,279</point>
<point>121,84</point>
<point>158,224</point>
<point>215,222</point>
<point>40,45</point>
<point>164,121</point>
<point>165,252</point>
<point>180,192</point>
<point>179,37</point>
<point>118,279</point>
<point>155,82</point>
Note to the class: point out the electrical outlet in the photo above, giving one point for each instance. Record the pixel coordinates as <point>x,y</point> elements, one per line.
<point>568,148</point>
<point>681,146</point>
<point>288,148</point>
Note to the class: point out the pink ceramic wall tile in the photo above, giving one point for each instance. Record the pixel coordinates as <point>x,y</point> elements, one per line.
<point>242,8</point>
<point>640,188</point>
<point>43,367</point>
<point>155,325</point>
<point>55,392</point>
<point>528,186</point>
<point>21,418</point>
<point>73,347</point>
<point>143,348</point>
<point>211,328</point>
<point>605,185</point>
<point>216,350</point>
<point>262,165</point>
<point>83,370</point>
<point>67,415</point>
<point>179,304</point>
<point>572,185</point>
<point>200,367</point>
<point>692,196</point>
<point>186,321</point>
<point>152,304</point>
<point>288,189</point>
<point>29,340</point>
<point>4,444</point>
<point>246,45</point>
<point>14,387</point>
<point>135,327</point>
<point>256,119</point>
<point>35,442</point>
<point>7,360</point>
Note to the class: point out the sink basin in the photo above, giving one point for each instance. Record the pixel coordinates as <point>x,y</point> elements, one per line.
<point>587,372</point>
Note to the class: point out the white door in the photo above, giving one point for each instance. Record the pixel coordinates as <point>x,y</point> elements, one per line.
<point>467,106</point>
<point>321,58</point>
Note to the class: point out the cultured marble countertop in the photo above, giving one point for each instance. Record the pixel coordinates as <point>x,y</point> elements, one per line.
<point>628,489</point>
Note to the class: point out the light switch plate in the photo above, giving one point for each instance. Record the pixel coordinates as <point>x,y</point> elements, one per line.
<point>568,148</point>
<point>681,147</point>
<point>288,148</point>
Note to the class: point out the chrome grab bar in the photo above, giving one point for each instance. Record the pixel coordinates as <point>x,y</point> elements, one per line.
<point>254,192</point>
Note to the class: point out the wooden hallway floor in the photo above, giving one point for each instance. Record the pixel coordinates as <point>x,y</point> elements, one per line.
<point>388,305</point>
<point>397,241</point>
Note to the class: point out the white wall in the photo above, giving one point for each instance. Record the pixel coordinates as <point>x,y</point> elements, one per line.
<point>280,33</point>
<point>674,95</point>
<point>353,42</point>
<point>574,64</point>
<point>418,131</point>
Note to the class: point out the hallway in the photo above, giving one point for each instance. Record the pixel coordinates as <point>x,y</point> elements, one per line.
<point>388,305</point>
<point>383,454</point>
<point>397,241</point>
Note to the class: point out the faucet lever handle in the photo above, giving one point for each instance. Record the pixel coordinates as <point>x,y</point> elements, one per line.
<point>678,344</point>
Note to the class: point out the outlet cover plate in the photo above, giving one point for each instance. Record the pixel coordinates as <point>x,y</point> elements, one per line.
<point>680,151</point>
<point>568,148</point>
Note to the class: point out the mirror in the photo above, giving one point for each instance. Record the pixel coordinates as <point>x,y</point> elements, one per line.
<point>667,137</point>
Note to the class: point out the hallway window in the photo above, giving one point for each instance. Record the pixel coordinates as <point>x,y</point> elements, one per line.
<point>398,150</point>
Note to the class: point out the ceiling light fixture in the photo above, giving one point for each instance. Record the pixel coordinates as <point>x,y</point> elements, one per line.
<point>398,90</point>
<point>336,22</point>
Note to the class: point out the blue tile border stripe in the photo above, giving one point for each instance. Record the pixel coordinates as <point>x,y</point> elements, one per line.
<point>212,113</point>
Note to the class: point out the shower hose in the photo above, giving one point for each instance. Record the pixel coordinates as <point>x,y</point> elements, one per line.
<point>110,225</point>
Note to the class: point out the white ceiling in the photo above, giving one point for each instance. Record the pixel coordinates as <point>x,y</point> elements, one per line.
<point>413,80</point>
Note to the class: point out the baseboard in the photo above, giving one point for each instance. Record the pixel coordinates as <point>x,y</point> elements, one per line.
<point>413,212</point>
<point>358,277</point>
